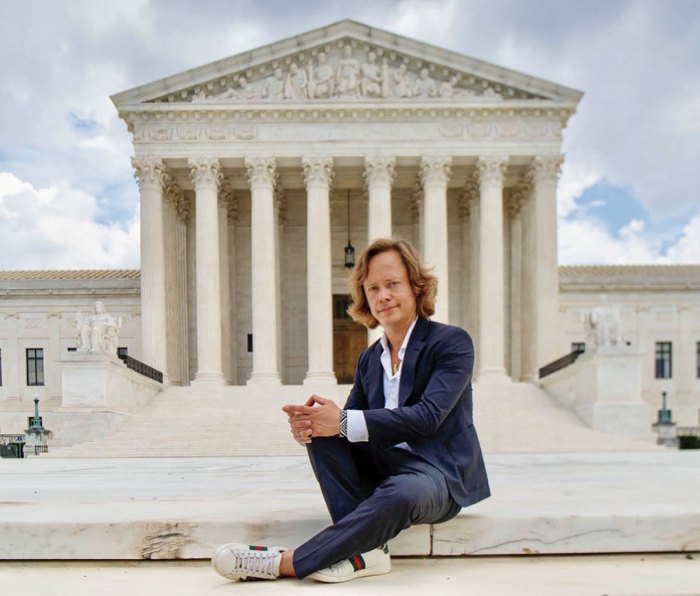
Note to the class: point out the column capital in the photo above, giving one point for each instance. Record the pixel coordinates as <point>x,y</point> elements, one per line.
<point>149,172</point>
<point>261,171</point>
<point>491,169</point>
<point>435,169</point>
<point>205,172</point>
<point>318,170</point>
<point>545,169</point>
<point>379,169</point>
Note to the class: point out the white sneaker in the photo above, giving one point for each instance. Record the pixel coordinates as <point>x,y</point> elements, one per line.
<point>374,562</point>
<point>244,561</point>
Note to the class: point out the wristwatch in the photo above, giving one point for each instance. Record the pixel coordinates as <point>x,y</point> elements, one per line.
<point>343,423</point>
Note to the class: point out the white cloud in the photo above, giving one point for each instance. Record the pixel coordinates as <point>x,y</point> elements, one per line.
<point>55,228</point>
<point>584,242</point>
<point>687,249</point>
<point>574,179</point>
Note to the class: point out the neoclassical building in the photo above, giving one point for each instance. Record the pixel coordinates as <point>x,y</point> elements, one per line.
<point>256,170</point>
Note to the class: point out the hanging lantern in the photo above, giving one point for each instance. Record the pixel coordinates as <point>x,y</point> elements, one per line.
<point>349,249</point>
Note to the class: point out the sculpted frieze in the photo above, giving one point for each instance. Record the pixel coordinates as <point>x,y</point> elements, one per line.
<point>346,71</point>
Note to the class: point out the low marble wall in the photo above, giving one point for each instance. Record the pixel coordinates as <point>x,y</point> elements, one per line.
<point>604,389</point>
<point>104,381</point>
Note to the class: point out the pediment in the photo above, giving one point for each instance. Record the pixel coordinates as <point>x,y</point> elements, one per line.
<point>346,62</point>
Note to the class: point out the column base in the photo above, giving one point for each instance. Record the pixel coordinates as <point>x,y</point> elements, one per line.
<point>210,378</point>
<point>492,376</point>
<point>320,378</point>
<point>264,378</point>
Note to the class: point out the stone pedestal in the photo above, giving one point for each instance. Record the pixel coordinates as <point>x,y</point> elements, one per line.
<point>103,381</point>
<point>667,434</point>
<point>604,389</point>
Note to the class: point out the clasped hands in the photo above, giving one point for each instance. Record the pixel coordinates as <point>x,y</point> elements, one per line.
<point>318,417</point>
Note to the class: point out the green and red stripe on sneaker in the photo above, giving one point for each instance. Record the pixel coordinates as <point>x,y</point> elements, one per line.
<point>357,562</point>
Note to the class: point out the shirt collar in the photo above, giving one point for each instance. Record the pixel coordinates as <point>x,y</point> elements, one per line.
<point>385,343</point>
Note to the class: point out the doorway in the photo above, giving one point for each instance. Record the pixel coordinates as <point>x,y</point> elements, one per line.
<point>349,340</point>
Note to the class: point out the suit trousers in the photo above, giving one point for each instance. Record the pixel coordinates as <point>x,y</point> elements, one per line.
<point>371,494</point>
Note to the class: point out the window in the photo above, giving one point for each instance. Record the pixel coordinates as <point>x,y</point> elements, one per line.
<point>663,362</point>
<point>578,346</point>
<point>35,366</point>
<point>697,361</point>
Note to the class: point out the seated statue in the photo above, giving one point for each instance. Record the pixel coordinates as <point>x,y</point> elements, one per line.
<point>604,326</point>
<point>98,332</point>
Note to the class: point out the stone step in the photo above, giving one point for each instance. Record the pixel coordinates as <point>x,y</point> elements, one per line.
<point>236,420</point>
<point>182,508</point>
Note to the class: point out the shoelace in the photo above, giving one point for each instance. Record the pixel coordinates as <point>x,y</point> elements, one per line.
<point>257,563</point>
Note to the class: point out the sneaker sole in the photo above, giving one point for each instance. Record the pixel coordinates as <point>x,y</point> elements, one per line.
<point>356,575</point>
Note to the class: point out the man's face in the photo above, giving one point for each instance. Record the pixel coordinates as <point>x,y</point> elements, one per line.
<point>389,292</point>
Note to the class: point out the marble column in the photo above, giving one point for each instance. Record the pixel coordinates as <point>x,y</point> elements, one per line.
<point>151,175</point>
<point>11,358</point>
<point>435,174</point>
<point>206,177</point>
<point>172,193</point>
<point>225,196</point>
<point>544,173</point>
<point>262,175</point>
<point>491,171</point>
<point>514,208</point>
<point>467,212</point>
<point>528,363</point>
<point>379,176</point>
<point>317,177</point>
<point>228,288</point>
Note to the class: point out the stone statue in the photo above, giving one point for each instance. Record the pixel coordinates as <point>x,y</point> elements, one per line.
<point>98,332</point>
<point>321,79</point>
<point>604,326</point>
<point>295,87</point>
<point>274,86</point>
<point>425,86</point>
<point>386,78</point>
<point>371,77</point>
<point>400,86</point>
<point>347,74</point>
<point>448,88</point>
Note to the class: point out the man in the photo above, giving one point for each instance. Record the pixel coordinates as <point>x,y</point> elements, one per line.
<point>402,451</point>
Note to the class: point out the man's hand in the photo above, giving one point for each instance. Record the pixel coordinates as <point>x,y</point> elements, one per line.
<point>318,417</point>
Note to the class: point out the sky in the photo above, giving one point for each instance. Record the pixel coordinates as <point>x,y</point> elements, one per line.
<point>629,191</point>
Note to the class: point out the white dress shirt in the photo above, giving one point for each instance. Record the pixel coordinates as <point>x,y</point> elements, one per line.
<point>357,425</point>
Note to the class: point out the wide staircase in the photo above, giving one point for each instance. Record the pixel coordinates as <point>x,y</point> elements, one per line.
<point>247,421</point>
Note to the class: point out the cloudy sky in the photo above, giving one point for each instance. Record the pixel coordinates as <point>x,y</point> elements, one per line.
<point>630,188</point>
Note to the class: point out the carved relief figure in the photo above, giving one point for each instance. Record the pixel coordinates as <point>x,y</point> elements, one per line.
<point>371,81</point>
<point>98,332</point>
<point>400,86</point>
<point>274,85</point>
<point>386,78</point>
<point>347,74</point>
<point>425,86</point>
<point>322,79</point>
<point>447,88</point>
<point>296,83</point>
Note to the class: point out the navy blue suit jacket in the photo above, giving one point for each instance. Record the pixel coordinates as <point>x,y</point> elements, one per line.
<point>434,415</point>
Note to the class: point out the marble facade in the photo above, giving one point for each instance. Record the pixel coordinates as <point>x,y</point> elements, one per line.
<point>245,168</point>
